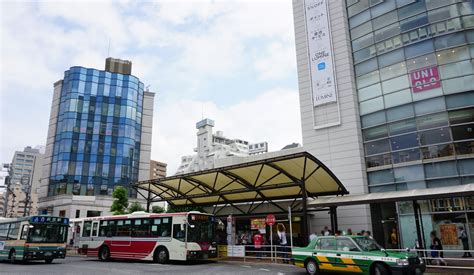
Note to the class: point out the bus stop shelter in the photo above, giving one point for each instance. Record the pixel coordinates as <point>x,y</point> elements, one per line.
<point>246,186</point>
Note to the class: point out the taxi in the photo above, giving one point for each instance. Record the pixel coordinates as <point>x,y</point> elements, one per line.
<point>354,255</point>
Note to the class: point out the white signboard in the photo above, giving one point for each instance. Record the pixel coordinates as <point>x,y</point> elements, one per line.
<point>236,251</point>
<point>323,79</point>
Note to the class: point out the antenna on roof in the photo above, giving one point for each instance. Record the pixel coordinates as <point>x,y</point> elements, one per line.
<point>147,88</point>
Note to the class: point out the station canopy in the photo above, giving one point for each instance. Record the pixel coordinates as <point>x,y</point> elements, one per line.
<point>277,178</point>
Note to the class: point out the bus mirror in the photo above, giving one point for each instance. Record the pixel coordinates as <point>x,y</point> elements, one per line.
<point>191,225</point>
<point>31,226</point>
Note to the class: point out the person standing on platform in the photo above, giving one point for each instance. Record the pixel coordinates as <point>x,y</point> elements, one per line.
<point>282,242</point>
<point>257,243</point>
<point>465,242</point>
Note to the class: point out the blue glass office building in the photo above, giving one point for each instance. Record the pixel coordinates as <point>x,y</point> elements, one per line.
<point>97,139</point>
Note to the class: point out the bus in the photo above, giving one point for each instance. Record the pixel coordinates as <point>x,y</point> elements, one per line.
<point>33,238</point>
<point>148,236</point>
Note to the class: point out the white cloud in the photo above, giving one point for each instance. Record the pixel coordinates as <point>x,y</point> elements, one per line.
<point>278,61</point>
<point>272,116</point>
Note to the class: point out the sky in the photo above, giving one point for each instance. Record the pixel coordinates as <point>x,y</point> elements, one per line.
<point>231,61</point>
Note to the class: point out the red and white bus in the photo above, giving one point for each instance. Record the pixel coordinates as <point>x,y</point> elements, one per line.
<point>154,237</point>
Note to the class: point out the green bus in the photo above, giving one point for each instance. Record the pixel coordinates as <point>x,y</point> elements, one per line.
<point>33,238</point>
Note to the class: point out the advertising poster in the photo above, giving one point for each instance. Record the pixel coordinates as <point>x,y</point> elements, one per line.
<point>257,224</point>
<point>323,80</point>
<point>449,234</point>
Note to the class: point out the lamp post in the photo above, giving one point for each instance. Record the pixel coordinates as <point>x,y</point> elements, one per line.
<point>7,166</point>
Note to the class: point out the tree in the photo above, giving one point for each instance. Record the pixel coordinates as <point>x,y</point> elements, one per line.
<point>135,206</point>
<point>157,209</point>
<point>120,204</point>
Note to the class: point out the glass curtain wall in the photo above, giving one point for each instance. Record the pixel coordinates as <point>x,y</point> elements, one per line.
<point>414,67</point>
<point>97,141</point>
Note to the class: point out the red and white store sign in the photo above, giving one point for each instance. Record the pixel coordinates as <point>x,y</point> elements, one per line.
<point>425,79</point>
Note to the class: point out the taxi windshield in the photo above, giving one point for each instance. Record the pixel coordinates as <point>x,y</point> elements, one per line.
<point>367,244</point>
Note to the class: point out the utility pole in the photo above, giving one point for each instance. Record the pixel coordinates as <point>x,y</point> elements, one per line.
<point>26,186</point>
<point>8,166</point>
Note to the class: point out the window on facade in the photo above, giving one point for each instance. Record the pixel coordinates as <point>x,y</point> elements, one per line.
<point>377,147</point>
<point>430,106</point>
<point>440,135</point>
<point>409,173</point>
<point>463,132</point>
<point>418,49</point>
<point>437,151</point>
<point>360,18</point>
<point>370,92</point>
<point>357,7</point>
<point>406,155</point>
<point>387,9</point>
<point>457,69</point>
<point>412,9</point>
<point>395,84</point>
<point>414,22</point>
<point>449,40</point>
<point>457,85</point>
<point>432,121</point>
<point>366,66</point>
<point>382,176</point>
<point>368,79</point>
<point>443,182</point>
<point>371,105</point>
<point>373,119</point>
<point>466,166</point>
<point>464,148</point>
<point>461,116</point>
<point>379,160</point>
<point>401,112</point>
<point>387,32</point>
<point>460,100</point>
<point>440,169</point>
<point>401,127</point>
<point>393,71</point>
<point>453,55</point>
<point>404,141</point>
<point>375,133</point>
<point>397,98</point>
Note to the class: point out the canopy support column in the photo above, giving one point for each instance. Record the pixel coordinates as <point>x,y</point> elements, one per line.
<point>333,217</point>
<point>418,224</point>
<point>148,201</point>
<point>304,218</point>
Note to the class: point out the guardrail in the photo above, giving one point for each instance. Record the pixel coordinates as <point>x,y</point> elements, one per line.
<point>276,253</point>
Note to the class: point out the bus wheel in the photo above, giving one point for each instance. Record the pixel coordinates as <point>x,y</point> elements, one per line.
<point>311,267</point>
<point>104,253</point>
<point>48,260</point>
<point>12,256</point>
<point>161,255</point>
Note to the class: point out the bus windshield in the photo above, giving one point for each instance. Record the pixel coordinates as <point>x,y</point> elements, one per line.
<point>200,228</point>
<point>47,233</point>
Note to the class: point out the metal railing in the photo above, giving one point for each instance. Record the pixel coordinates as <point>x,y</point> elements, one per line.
<point>272,253</point>
<point>447,258</point>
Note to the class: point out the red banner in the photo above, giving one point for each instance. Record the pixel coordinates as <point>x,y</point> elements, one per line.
<point>425,79</point>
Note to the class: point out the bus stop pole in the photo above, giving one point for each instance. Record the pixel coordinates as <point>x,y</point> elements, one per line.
<point>271,244</point>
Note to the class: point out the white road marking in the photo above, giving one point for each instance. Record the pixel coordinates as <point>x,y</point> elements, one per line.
<point>279,273</point>
<point>264,269</point>
<point>246,266</point>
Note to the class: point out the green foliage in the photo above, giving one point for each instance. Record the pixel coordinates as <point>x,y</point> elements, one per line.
<point>134,207</point>
<point>120,204</point>
<point>157,209</point>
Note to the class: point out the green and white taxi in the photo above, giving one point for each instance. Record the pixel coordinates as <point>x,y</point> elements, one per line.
<point>354,254</point>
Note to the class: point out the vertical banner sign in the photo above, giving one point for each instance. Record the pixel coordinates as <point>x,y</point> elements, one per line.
<point>323,80</point>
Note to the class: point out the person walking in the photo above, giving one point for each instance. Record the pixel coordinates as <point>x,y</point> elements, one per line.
<point>312,236</point>
<point>436,249</point>
<point>282,242</point>
<point>394,238</point>
<point>257,243</point>
<point>465,242</point>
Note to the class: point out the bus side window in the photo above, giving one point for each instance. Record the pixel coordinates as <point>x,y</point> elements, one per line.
<point>24,232</point>
<point>103,229</point>
<point>155,227</point>
<point>86,231</point>
<point>178,232</point>
<point>95,227</point>
<point>3,231</point>
<point>124,227</point>
<point>166,227</point>
<point>141,228</point>
<point>13,231</point>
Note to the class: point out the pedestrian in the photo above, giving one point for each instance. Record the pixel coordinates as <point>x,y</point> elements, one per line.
<point>326,231</point>
<point>362,233</point>
<point>465,242</point>
<point>257,243</point>
<point>393,240</point>
<point>312,236</point>
<point>349,232</point>
<point>338,233</point>
<point>282,242</point>
<point>436,249</point>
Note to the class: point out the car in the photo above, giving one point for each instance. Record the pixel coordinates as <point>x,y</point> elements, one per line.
<point>356,255</point>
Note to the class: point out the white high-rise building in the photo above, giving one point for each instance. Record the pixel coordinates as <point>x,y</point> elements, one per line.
<point>212,146</point>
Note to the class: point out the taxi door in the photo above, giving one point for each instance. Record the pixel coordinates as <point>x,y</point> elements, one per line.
<point>324,253</point>
<point>349,257</point>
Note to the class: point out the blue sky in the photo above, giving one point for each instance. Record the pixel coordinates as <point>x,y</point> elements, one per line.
<point>232,61</point>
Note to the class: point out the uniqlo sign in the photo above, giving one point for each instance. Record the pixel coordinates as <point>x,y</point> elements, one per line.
<point>425,79</point>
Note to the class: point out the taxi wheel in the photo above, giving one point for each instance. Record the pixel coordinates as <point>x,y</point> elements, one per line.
<point>311,267</point>
<point>49,260</point>
<point>380,269</point>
